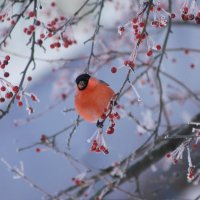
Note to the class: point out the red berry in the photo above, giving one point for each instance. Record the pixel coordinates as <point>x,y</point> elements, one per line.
<point>18,97</point>
<point>52,46</point>
<point>43,138</point>
<point>141,24</point>
<point>158,8</point>
<point>37,23</point>
<point>3,88</point>
<point>25,30</point>
<point>20,103</point>
<point>185,10</point>
<point>42,35</point>
<point>102,148</point>
<point>158,47</point>
<point>63,96</point>
<point>113,69</point>
<point>131,64</point>
<point>49,34</point>
<point>15,89</point>
<point>135,27</point>
<point>135,20</point>
<point>31,14</point>
<point>103,116</point>
<point>6,74</point>
<point>29,32</point>
<point>184,17</point>
<point>53,4</point>
<point>57,44</point>
<point>168,155</point>
<point>186,51</point>
<point>2,99</point>
<point>62,18</point>
<point>110,130</point>
<point>173,15</point>
<point>12,22</point>
<point>106,151</point>
<point>9,95</point>
<point>7,58</point>
<point>2,66</point>
<point>37,150</point>
<point>5,62</point>
<point>31,28</point>
<point>40,42</point>
<point>149,53</point>
<point>29,78</point>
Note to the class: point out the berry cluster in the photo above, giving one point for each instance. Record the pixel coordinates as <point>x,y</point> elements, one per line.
<point>49,30</point>
<point>191,173</point>
<point>190,12</point>
<point>4,17</point>
<point>129,63</point>
<point>22,97</point>
<point>60,36</point>
<point>98,146</point>
<point>160,15</point>
<point>98,141</point>
<point>7,90</point>
<point>112,117</point>
<point>79,179</point>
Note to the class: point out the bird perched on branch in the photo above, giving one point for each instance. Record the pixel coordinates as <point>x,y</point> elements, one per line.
<point>92,97</point>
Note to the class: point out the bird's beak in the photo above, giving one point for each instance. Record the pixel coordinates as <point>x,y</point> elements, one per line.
<point>81,85</point>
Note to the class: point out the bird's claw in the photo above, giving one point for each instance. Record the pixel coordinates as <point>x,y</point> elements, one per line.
<point>99,124</point>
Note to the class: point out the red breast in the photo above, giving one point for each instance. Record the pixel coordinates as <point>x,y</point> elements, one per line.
<point>91,101</point>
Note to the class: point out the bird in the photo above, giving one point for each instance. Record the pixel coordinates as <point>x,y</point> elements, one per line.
<point>92,97</point>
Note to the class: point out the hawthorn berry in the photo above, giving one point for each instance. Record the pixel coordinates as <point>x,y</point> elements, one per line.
<point>29,78</point>
<point>42,35</point>
<point>37,23</point>
<point>173,15</point>
<point>149,53</point>
<point>6,74</point>
<point>31,14</point>
<point>20,103</point>
<point>113,70</point>
<point>158,47</point>
<point>2,99</point>
<point>15,89</point>
<point>40,42</point>
<point>141,24</point>
<point>3,88</point>
<point>37,150</point>
<point>168,155</point>
<point>7,58</point>
<point>9,95</point>
<point>18,97</point>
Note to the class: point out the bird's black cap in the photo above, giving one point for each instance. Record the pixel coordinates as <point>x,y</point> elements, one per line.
<point>82,77</point>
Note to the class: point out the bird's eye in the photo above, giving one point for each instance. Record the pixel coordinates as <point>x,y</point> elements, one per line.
<point>81,85</point>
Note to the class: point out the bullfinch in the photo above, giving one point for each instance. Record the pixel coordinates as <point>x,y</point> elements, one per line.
<point>92,97</point>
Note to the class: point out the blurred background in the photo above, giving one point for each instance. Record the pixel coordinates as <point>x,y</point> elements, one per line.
<point>54,76</point>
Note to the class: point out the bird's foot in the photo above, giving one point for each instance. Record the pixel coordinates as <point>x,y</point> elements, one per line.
<point>99,124</point>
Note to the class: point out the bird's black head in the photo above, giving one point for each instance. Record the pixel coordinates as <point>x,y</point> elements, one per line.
<point>82,81</point>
